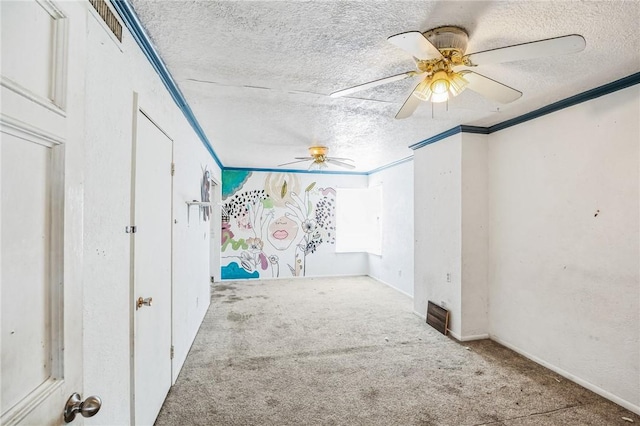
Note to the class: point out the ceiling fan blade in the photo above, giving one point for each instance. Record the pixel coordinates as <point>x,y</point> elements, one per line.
<point>340,158</point>
<point>303,158</point>
<point>373,83</point>
<point>408,107</point>
<point>416,44</point>
<point>340,163</point>
<point>536,49</point>
<point>490,88</point>
<point>293,162</point>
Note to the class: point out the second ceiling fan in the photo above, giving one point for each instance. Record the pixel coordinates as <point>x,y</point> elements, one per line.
<point>443,65</point>
<point>319,157</point>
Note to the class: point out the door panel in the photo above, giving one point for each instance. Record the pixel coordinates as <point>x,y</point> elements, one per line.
<point>152,269</point>
<point>26,268</point>
<point>41,31</point>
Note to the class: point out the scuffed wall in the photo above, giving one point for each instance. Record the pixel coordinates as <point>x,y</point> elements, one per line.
<point>564,243</point>
<point>281,225</point>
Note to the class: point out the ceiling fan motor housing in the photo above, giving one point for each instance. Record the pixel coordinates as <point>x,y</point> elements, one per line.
<point>318,151</point>
<point>448,40</point>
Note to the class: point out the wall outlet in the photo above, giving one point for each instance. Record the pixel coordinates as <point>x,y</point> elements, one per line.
<point>448,277</point>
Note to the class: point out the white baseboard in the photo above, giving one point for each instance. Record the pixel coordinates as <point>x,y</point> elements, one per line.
<point>608,395</point>
<point>392,286</point>
<point>455,336</point>
<point>474,337</point>
<point>469,338</point>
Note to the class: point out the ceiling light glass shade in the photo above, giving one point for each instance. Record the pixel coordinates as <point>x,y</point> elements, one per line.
<point>440,83</point>
<point>318,165</point>
<point>439,97</point>
<point>457,83</point>
<point>423,90</point>
<point>437,88</point>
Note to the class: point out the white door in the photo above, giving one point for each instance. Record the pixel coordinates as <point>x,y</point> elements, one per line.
<point>41,218</point>
<point>152,216</point>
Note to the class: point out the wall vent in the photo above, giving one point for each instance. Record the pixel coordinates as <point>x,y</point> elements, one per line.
<point>108,17</point>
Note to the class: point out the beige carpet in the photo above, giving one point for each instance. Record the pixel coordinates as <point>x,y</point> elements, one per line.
<point>349,351</point>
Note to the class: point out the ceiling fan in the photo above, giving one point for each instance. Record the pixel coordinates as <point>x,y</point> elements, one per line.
<point>319,159</point>
<point>440,57</point>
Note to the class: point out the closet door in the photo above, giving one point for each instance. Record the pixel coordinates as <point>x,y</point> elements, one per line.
<point>151,268</point>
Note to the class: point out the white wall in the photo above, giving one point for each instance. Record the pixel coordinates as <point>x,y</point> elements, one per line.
<point>191,245</point>
<point>437,223</point>
<point>113,73</point>
<point>395,266</point>
<point>475,237</point>
<point>451,232</point>
<point>564,242</point>
<point>107,173</point>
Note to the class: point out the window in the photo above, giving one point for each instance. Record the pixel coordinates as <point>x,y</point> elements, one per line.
<point>358,220</point>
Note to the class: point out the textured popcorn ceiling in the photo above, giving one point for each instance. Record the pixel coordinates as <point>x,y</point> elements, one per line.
<point>257,74</point>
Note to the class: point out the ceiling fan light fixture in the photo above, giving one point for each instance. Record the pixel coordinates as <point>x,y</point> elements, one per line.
<point>440,83</point>
<point>423,90</point>
<point>457,83</point>
<point>439,97</point>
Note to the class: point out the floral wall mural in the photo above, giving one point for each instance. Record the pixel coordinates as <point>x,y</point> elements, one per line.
<point>274,223</point>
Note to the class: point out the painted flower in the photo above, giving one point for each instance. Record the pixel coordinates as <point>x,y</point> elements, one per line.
<point>244,222</point>
<point>309,225</point>
<point>247,261</point>
<point>255,245</point>
<point>273,259</point>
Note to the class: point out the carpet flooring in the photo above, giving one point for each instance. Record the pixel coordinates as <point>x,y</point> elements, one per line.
<point>350,351</point>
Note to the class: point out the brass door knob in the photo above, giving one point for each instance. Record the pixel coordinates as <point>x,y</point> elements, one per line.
<point>143,302</point>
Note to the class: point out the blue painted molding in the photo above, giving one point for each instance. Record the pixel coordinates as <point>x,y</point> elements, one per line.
<point>623,83</point>
<point>140,36</point>
<point>436,138</point>
<point>474,129</point>
<point>323,172</point>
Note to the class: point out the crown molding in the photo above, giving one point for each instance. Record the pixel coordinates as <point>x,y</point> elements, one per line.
<point>322,172</point>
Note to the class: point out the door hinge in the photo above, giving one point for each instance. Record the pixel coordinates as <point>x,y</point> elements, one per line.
<point>131,229</point>
<point>173,169</point>
<point>171,352</point>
